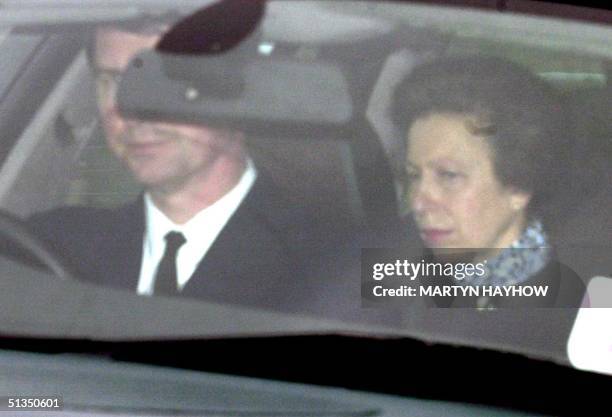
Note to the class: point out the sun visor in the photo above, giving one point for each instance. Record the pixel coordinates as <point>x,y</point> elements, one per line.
<point>263,94</point>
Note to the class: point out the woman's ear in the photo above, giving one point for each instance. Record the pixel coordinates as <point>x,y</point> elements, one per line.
<point>519,199</point>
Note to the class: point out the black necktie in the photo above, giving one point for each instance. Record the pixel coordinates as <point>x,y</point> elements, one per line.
<point>165,277</point>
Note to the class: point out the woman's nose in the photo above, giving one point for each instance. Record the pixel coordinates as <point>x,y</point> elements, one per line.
<point>423,196</point>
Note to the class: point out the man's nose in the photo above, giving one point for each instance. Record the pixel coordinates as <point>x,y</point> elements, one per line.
<point>137,126</point>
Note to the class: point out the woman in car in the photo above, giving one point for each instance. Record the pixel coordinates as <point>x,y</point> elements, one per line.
<point>483,156</point>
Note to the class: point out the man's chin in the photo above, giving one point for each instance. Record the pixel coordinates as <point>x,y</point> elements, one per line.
<point>149,179</point>
<point>147,170</point>
<point>159,183</point>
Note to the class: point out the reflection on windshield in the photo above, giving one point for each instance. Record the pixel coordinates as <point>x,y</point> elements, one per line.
<point>442,148</point>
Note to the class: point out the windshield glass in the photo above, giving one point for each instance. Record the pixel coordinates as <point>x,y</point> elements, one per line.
<point>300,167</point>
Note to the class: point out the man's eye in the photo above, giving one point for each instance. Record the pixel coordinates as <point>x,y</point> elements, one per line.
<point>108,79</point>
<point>105,82</point>
<point>411,176</point>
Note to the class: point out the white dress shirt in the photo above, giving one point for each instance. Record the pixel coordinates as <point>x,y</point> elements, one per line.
<point>200,233</point>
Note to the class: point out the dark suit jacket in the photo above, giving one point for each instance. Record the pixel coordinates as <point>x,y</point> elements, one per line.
<point>259,258</point>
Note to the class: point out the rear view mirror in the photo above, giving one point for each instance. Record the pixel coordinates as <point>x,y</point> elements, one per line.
<point>263,94</point>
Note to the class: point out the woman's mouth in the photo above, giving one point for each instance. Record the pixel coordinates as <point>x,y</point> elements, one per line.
<point>434,237</point>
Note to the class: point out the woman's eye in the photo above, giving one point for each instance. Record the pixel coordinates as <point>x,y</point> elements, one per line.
<point>448,174</point>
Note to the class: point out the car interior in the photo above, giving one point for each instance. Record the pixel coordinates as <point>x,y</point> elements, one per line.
<point>330,156</point>
<point>327,145</point>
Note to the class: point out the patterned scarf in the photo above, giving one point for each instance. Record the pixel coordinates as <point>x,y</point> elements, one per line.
<point>527,256</point>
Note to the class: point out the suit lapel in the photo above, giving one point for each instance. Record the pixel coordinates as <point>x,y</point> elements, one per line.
<point>124,246</point>
<point>249,237</point>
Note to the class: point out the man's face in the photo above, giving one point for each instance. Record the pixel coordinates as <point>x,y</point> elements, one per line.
<point>160,155</point>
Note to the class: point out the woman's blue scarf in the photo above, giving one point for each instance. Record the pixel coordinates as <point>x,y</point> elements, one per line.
<point>527,256</point>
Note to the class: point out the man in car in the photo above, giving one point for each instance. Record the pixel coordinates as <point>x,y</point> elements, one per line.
<point>209,225</point>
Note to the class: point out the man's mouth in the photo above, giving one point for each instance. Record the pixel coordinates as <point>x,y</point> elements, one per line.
<point>145,148</point>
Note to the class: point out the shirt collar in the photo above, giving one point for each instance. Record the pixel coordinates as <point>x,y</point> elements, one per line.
<point>211,219</point>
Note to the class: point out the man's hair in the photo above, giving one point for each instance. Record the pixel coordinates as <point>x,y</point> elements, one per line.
<point>519,114</point>
<point>147,27</point>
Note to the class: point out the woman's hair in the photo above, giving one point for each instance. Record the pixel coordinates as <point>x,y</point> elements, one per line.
<point>519,114</point>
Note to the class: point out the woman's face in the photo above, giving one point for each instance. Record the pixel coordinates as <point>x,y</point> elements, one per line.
<point>453,192</point>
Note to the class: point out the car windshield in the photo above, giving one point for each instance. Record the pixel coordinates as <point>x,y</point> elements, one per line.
<point>249,168</point>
